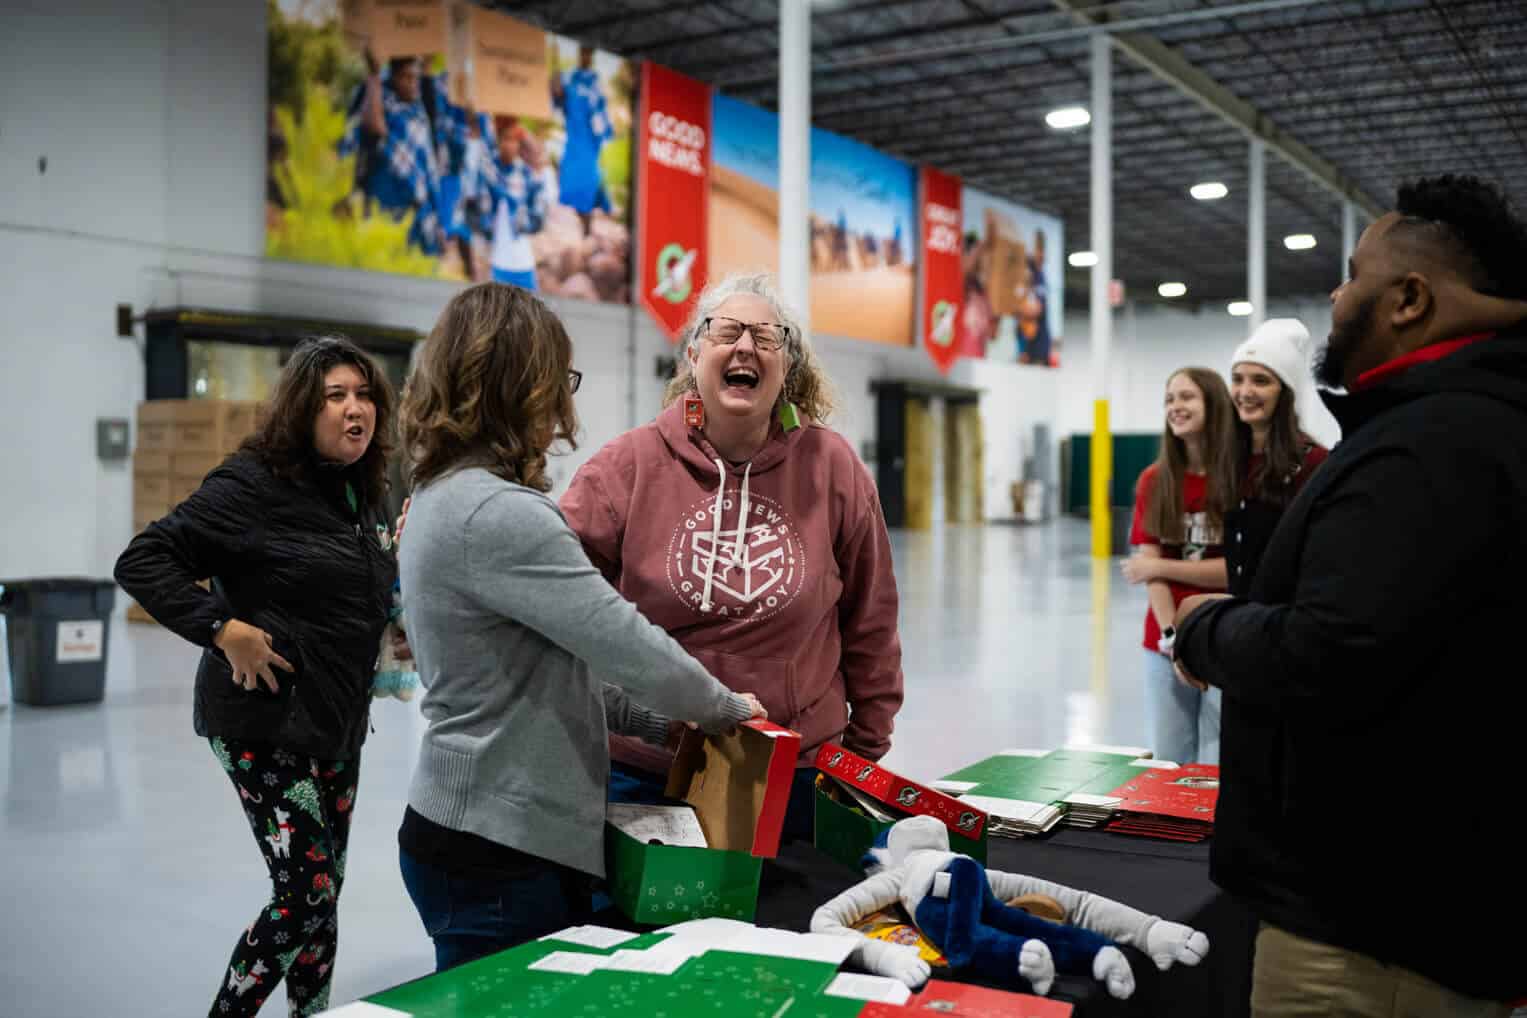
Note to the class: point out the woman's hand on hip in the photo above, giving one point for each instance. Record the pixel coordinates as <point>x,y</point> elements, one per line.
<point>251,655</point>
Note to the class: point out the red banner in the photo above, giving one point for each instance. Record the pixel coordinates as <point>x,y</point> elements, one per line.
<point>943,272</point>
<point>674,193</point>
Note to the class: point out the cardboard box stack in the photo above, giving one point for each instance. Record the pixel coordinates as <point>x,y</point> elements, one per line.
<point>180,441</point>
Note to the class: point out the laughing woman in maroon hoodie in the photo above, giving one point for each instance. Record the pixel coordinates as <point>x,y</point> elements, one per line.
<point>751,532</point>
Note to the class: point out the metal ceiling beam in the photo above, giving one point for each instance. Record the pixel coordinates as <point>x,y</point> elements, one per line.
<point>1166,64</point>
<point>1030,37</point>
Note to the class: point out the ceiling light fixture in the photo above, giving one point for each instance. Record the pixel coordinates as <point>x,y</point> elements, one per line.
<point>1171,290</point>
<point>1239,308</point>
<point>1209,190</point>
<point>1082,259</point>
<point>1068,117</point>
<point>1299,241</point>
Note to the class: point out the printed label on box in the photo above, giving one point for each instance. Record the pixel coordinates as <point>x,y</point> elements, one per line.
<point>81,641</point>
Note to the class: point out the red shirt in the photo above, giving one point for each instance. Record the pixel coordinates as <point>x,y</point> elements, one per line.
<point>1202,541</point>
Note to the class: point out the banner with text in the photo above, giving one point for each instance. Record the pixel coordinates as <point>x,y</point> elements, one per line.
<point>673,193</point>
<point>943,271</point>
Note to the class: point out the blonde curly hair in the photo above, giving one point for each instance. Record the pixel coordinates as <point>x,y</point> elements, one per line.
<point>806,383</point>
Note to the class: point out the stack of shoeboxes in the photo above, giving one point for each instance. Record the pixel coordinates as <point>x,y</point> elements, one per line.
<point>667,864</point>
<point>180,441</point>
<point>856,800</point>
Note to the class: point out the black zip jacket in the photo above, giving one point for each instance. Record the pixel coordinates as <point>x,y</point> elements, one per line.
<point>1372,768</point>
<point>288,556</point>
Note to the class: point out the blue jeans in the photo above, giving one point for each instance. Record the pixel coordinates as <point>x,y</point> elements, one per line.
<point>470,917</point>
<point>1184,723</point>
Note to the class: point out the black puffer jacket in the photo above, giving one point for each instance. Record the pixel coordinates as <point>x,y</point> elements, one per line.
<point>1373,699</point>
<point>292,558</point>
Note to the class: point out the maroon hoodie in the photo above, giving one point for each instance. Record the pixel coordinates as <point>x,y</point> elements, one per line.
<point>799,608</point>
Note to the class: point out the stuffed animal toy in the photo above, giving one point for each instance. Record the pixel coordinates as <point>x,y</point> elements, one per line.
<point>396,674</point>
<point>958,904</point>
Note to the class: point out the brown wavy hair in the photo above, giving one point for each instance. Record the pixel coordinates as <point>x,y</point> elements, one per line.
<point>490,389</point>
<point>806,382</point>
<point>283,439</point>
<point>1284,455</point>
<point>1163,513</point>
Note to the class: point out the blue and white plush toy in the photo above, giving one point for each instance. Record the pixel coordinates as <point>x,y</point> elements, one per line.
<point>958,905</point>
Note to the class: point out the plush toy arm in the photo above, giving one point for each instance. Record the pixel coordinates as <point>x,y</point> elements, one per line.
<point>895,961</point>
<point>1089,911</point>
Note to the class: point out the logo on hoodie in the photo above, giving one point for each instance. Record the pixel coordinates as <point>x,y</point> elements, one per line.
<point>749,568</point>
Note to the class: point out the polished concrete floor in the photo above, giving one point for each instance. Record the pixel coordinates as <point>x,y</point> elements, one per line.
<point>129,869</point>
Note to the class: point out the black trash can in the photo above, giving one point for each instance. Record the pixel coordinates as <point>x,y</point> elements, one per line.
<point>57,634</point>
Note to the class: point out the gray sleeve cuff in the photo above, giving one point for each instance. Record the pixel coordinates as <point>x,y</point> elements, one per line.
<point>647,725</point>
<point>734,711</point>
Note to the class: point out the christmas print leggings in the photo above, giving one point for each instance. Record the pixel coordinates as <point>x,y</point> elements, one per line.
<point>299,809</point>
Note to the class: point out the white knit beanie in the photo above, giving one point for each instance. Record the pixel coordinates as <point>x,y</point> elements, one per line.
<point>1282,345</point>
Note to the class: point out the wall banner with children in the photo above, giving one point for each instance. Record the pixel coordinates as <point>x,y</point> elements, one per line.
<point>1012,308</point>
<point>444,139</point>
<point>943,268</point>
<point>674,188</point>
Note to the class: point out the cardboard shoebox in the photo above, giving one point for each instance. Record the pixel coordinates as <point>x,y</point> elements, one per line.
<point>666,864</point>
<point>857,799</point>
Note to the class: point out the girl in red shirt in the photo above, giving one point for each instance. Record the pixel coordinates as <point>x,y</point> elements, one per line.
<point>1180,506</point>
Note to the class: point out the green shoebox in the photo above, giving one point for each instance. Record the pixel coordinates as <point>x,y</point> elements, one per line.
<point>844,830</point>
<point>738,786</point>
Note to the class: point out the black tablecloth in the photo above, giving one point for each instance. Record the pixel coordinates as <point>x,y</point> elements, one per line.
<point>1163,878</point>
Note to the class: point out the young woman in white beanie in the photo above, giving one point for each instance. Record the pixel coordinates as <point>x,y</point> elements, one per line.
<point>1284,432</point>
<point>1180,506</point>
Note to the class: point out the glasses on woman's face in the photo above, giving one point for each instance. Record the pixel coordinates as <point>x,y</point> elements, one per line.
<point>726,331</point>
<point>574,379</point>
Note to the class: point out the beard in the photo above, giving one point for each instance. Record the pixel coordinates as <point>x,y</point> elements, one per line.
<point>1331,371</point>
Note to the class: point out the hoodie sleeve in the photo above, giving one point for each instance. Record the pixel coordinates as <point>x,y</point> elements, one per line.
<point>867,619</point>
<point>592,516</point>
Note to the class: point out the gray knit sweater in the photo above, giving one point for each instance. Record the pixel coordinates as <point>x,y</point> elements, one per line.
<point>510,624</point>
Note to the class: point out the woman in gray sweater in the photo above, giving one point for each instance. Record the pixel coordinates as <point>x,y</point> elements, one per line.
<point>529,657</point>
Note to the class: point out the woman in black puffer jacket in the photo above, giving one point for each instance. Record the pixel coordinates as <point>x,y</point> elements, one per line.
<point>292,532</point>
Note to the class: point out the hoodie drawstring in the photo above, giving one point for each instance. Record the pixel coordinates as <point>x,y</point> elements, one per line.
<point>715,529</point>
<point>715,536</point>
<point>742,520</point>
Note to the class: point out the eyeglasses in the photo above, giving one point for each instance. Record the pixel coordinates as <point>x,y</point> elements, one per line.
<point>574,379</point>
<point>726,331</point>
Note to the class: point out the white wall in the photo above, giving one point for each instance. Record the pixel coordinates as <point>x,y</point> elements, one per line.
<point>151,117</point>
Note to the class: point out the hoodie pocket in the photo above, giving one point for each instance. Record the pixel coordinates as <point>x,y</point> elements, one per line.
<point>770,679</point>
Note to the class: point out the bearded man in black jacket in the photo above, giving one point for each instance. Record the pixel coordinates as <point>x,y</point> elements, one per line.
<point>1372,706</point>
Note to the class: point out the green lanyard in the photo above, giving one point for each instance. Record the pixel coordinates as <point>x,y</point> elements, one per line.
<point>355,504</point>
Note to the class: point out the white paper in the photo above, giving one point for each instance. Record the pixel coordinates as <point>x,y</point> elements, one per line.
<point>1023,752</point>
<point>1120,750</point>
<point>573,962</point>
<point>784,944</point>
<point>660,960</point>
<point>80,641</point>
<point>876,988</point>
<point>953,787</point>
<point>1102,801</point>
<point>361,1009</point>
<point>1007,809</point>
<point>667,825</point>
<point>601,937</point>
<point>1166,765</point>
